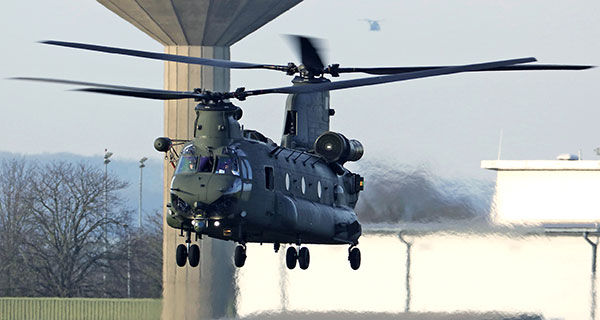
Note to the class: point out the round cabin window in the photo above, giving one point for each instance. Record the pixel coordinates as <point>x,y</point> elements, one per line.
<point>303,186</point>
<point>319,191</point>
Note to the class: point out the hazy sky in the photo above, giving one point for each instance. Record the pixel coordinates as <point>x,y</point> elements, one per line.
<point>449,123</point>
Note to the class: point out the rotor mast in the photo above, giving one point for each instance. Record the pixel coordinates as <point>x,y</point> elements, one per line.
<point>306,116</point>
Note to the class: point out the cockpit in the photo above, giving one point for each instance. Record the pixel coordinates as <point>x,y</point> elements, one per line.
<point>227,165</point>
<point>191,162</point>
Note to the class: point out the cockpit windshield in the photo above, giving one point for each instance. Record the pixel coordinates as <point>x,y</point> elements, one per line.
<point>191,162</point>
<point>227,165</point>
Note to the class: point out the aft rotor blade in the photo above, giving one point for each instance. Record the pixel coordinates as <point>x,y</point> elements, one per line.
<point>166,57</point>
<point>123,90</point>
<point>338,85</point>
<point>398,70</point>
<point>310,55</point>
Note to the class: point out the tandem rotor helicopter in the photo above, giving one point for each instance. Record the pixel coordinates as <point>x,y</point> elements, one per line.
<point>235,184</point>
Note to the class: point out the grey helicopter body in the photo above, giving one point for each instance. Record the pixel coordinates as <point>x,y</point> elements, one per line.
<point>258,191</point>
<point>238,185</point>
<point>235,184</point>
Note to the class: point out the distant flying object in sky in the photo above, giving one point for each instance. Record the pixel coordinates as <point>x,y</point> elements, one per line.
<point>373,24</point>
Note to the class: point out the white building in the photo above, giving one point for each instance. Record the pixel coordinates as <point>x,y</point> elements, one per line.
<point>542,191</point>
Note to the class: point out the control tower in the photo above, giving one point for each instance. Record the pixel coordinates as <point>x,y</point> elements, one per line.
<point>207,29</point>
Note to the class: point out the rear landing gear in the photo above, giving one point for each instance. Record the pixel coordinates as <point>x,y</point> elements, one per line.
<point>293,256</point>
<point>239,257</point>
<point>354,258</point>
<point>303,258</point>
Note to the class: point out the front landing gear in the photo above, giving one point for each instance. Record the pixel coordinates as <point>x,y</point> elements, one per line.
<point>239,257</point>
<point>354,258</point>
<point>186,252</point>
<point>194,255</point>
<point>181,255</point>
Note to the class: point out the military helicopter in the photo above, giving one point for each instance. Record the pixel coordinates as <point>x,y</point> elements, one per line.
<point>238,185</point>
<point>373,24</point>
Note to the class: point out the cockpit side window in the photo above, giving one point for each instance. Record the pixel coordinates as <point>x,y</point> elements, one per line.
<point>187,164</point>
<point>244,169</point>
<point>227,165</point>
<point>248,168</point>
<point>188,160</point>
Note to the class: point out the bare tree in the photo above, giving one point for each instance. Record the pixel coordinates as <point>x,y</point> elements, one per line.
<point>15,186</point>
<point>139,251</point>
<point>406,194</point>
<point>67,250</point>
<point>147,258</point>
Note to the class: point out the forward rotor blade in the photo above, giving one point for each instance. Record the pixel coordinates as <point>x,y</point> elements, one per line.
<point>123,90</point>
<point>398,70</point>
<point>325,86</point>
<point>310,55</point>
<point>147,94</point>
<point>338,85</point>
<point>166,57</point>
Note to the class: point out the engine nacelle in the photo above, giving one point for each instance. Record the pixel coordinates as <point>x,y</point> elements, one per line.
<point>163,144</point>
<point>335,147</point>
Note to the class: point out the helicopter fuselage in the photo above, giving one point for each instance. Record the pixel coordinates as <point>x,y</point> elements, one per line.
<point>242,187</point>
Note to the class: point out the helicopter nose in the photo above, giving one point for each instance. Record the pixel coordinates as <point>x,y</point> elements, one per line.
<point>190,187</point>
<point>222,185</point>
<point>204,189</point>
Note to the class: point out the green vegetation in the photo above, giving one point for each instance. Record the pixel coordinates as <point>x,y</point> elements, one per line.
<point>79,309</point>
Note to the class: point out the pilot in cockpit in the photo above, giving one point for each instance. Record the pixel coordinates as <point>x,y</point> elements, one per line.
<point>227,165</point>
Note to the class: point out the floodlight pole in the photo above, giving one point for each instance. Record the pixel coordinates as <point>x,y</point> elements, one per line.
<point>107,155</point>
<point>407,280</point>
<point>142,165</point>
<point>593,287</point>
<point>126,226</point>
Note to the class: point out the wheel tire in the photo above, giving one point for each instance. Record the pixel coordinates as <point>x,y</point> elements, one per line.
<point>194,255</point>
<point>304,258</point>
<point>354,258</point>
<point>291,257</point>
<point>239,256</point>
<point>181,255</point>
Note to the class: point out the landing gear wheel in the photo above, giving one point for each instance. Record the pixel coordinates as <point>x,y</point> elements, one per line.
<point>181,255</point>
<point>291,256</point>
<point>304,258</point>
<point>239,257</point>
<point>194,255</point>
<point>354,257</point>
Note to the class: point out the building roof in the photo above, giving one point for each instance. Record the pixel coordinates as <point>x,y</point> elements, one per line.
<point>541,165</point>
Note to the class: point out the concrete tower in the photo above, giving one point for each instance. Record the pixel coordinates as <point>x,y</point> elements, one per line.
<point>200,28</point>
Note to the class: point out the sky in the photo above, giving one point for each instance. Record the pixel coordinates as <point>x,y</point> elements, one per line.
<point>448,124</point>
